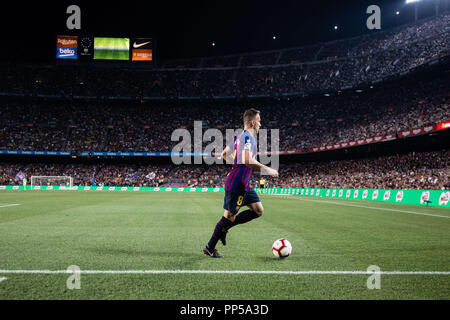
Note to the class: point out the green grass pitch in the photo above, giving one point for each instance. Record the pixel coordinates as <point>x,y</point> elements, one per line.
<point>111,55</point>
<point>52,230</point>
<point>118,49</point>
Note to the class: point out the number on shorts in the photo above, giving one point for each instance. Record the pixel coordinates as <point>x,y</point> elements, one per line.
<point>239,201</point>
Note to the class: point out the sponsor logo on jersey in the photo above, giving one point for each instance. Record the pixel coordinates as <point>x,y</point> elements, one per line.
<point>247,143</point>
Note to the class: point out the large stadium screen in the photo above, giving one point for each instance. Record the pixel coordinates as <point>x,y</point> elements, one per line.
<point>142,49</point>
<point>67,47</point>
<point>111,48</point>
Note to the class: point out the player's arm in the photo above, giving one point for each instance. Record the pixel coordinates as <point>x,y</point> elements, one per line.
<point>251,162</point>
<point>227,155</point>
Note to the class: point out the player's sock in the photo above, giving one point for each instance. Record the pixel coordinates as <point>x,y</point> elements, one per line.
<point>222,226</point>
<point>245,216</point>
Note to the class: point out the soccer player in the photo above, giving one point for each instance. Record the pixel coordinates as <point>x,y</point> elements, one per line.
<point>238,192</point>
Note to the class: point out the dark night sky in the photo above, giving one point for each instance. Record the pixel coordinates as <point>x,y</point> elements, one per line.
<point>187,28</point>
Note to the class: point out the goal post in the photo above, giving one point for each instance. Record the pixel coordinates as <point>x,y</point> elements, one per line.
<point>65,181</point>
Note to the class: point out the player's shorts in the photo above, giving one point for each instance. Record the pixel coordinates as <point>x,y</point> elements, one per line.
<point>233,201</point>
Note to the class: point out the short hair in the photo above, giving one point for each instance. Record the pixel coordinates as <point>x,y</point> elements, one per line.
<point>250,115</point>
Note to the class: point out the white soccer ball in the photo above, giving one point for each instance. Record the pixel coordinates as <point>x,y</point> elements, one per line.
<point>281,248</point>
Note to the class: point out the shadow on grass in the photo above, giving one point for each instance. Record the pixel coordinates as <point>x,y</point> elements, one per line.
<point>273,259</point>
<point>145,252</point>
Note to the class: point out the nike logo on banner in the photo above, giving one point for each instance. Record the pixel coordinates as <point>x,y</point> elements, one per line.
<point>140,44</point>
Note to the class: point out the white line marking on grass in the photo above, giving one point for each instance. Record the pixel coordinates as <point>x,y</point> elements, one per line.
<point>9,205</point>
<point>375,208</point>
<point>274,272</point>
<point>3,279</point>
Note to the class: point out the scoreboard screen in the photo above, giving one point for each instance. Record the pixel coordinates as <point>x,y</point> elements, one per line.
<point>111,48</point>
<point>87,47</point>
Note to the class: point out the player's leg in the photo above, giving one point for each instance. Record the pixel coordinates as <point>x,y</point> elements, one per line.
<point>232,204</point>
<point>255,208</point>
<point>255,211</point>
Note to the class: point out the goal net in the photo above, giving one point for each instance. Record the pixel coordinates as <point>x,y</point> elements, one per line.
<point>51,181</point>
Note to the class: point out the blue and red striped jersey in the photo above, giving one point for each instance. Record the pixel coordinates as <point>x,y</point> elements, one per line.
<point>239,176</point>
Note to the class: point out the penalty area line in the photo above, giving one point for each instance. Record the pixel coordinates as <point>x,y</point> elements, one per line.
<point>270,272</point>
<point>3,279</point>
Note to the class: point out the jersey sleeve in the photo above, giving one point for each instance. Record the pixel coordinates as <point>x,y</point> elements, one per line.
<point>231,145</point>
<point>248,143</point>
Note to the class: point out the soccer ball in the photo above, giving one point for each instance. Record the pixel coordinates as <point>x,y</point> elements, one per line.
<point>281,248</point>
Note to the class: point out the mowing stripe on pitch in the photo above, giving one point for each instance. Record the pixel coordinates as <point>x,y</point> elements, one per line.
<point>375,208</point>
<point>271,272</point>
<point>9,205</point>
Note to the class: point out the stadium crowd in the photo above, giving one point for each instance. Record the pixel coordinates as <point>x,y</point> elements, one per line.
<point>424,170</point>
<point>70,107</point>
<point>147,127</point>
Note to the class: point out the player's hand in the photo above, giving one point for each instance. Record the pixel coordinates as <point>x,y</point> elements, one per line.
<point>273,172</point>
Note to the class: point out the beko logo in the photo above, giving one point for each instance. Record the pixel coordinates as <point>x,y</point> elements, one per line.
<point>66,52</point>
